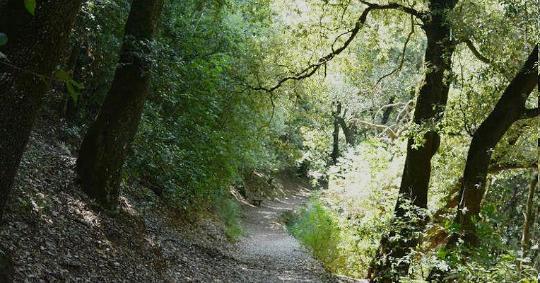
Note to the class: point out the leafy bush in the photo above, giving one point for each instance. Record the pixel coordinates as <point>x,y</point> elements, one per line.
<point>317,228</point>
<point>202,129</point>
<point>229,213</point>
<point>343,225</point>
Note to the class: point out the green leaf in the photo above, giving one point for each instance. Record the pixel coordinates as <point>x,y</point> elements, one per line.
<point>73,87</point>
<point>3,39</point>
<point>77,84</point>
<point>62,75</point>
<point>74,94</point>
<point>30,6</point>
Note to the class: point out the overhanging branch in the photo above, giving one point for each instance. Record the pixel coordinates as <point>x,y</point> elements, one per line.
<point>396,6</point>
<point>499,167</point>
<point>313,68</point>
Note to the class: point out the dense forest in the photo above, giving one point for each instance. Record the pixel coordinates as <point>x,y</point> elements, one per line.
<point>269,141</point>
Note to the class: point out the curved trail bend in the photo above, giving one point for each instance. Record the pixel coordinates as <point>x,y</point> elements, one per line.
<point>270,251</point>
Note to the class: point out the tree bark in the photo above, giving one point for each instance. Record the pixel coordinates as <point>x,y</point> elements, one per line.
<point>388,111</point>
<point>349,131</point>
<point>529,216</point>
<point>105,146</point>
<point>508,110</point>
<point>335,135</point>
<point>6,268</point>
<point>35,46</point>
<point>390,262</point>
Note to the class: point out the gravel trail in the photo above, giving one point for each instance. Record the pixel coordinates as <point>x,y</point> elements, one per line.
<point>270,251</point>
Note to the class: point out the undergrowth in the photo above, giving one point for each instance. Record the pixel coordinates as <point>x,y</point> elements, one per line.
<point>229,213</point>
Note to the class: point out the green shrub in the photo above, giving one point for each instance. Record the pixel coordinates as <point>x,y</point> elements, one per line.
<point>229,214</point>
<point>316,228</point>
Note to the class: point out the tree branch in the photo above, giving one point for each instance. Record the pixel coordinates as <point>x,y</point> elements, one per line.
<point>494,168</point>
<point>530,113</point>
<point>396,6</point>
<point>477,53</point>
<point>313,68</point>
<point>402,61</point>
<point>498,167</point>
<point>385,129</point>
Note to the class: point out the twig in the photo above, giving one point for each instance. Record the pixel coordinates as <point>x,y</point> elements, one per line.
<point>402,61</point>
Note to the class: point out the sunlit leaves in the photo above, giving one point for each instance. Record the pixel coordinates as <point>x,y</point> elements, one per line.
<point>30,6</point>
<point>73,88</point>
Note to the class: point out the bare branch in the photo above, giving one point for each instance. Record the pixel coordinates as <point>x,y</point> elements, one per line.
<point>389,106</point>
<point>391,133</point>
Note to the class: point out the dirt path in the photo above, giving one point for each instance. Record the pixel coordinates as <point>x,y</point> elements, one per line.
<point>54,233</point>
<point>269,251</point>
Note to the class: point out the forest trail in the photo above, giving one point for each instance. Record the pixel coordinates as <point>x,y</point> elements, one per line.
<point>60,237</point>
<point>267,245</point>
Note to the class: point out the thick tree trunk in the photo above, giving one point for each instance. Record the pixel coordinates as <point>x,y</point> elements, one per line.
<point>107,142</point>
<point>509,109</point>
<point>335,135</point>
<point>390,262</point>
<point>36,44</point>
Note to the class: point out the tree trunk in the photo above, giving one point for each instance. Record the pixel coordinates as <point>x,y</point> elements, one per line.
<point>335,135</point>
<point>390,262</point>
<point>35,46</point>
<point>508,110</point>
<point>348,131</point>
<point>105,146</point>
<point>6,268</point>
<point>388,111</point>
<point>529,216</point>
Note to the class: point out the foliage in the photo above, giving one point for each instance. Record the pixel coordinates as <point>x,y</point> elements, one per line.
<point>344,224</point>
<point>201,130</point>
<point>205,125</point>
<point>229,214</point>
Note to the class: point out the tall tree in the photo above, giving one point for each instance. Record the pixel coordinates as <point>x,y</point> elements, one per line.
<point>509,109</point>
<point>106,144</point>
<point>389,263</point>
<point>33,51</point>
